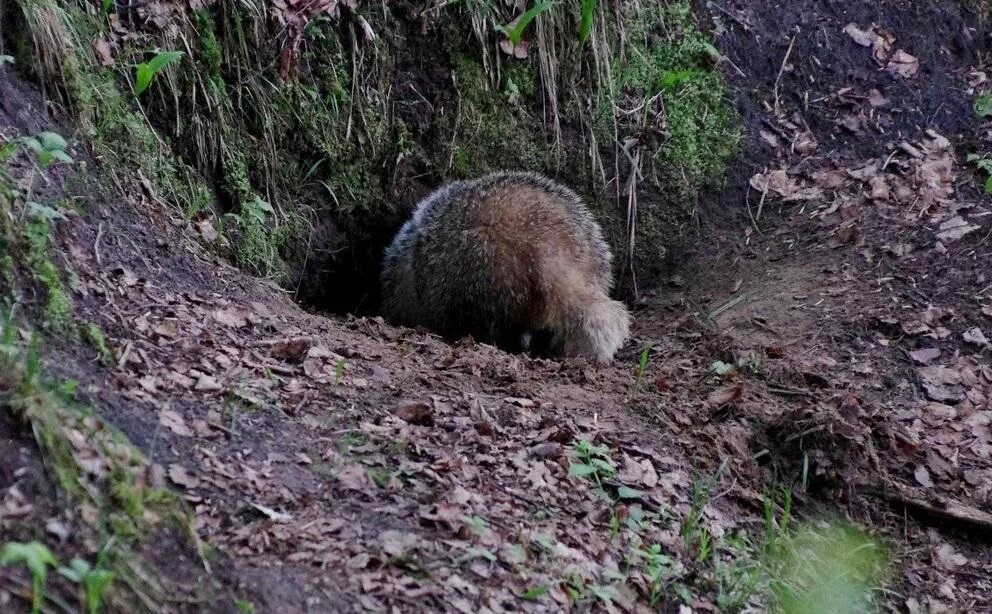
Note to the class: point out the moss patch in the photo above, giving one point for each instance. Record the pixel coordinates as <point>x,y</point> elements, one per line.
<point>93,334</point>
<point>492,128</point>
<point>58,306</point>
<point>669,57</point>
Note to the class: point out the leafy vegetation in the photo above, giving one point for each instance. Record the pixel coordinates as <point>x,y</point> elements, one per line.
<point>146,71</point>
<point>515,29</point>
<point>984,164</point>
<point>37,558</point>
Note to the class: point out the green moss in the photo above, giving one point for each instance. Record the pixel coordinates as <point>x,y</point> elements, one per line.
<point>671,57</point>
<point>211,54</point>
<point>8,276</point>
<point>492,129</point>
<point>58,306</point>
<point>93,334</point>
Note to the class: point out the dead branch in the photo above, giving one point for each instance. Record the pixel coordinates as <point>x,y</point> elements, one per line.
<point>936,506</point>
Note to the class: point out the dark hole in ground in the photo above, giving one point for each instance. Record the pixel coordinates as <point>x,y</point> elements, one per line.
<point>340,273</point>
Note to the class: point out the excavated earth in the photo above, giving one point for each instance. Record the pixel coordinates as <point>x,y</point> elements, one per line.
<point>340,464</point>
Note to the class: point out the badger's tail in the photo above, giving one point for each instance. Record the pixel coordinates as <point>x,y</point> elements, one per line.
<point>585,321</point>
<point>599,329</point>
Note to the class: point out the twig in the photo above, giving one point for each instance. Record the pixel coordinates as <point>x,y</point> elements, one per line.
<point>96,244</point>
<point>730,304</point>
<point>794,392</point>
<point>936,506</point>
<point>741,22</point>
<point>781,70</point>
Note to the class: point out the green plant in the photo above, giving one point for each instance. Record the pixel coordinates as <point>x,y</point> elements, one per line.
<point>657,567</point>
<point>48,147</point>
<point>514,30</point>
<point>146,71</point>
<point>94,580</point>
<point>381,476</point>
<point>642,365</point>
<point>737,571</point>
<point>243,605</point>
<point>827,567</point>
<point>58,306</point>
<point>593,462</point>
<point>37,558</point>
<point>586,9</point>
<point>776,527</point>
<point>696,536</point>
<point>93,334</point>
<point>984,164</point>
<point>983,105</point>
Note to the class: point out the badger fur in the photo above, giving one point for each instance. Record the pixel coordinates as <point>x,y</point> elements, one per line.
<point>504,257</point>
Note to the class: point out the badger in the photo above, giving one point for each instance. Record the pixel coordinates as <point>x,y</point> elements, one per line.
<point>506,258</point>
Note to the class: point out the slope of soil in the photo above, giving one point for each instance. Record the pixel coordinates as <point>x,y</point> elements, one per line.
<point>868,268</point>
<point>341,464</point>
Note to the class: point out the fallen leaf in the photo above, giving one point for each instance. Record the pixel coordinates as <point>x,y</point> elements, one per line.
<point>876,99</point>
<point>207,230</point>
<point>878,40</point>
<point>174,422</point>
<point>865,173</point>
<point>58,528</point>
<point>355,477</point>
<point>235,317</point>
<point>415,412</point>
<point>949,559</point>
<point>397,543</point>
<point>923,476</point>
<point>975,336</point>
<point>207,383</point>
<point>103,52</point>
<point>865,38</point>
<point>181,477</point>
<point>879,188</point>
<point>293,349</point>
<point>726,394</point>
<point>805,143</point>
<point>941,383</point>
<point>925,355</point>
<point>955,228</point>
<point>520,51</point>
<point>769,138</point>
<point>903,65</point>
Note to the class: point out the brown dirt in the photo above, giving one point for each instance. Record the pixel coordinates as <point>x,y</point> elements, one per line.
<point>337,489</point>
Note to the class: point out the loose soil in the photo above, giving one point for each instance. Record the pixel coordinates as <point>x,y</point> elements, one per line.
<point>339,464</point>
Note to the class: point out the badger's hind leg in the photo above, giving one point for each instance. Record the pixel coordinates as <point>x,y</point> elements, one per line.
<point>539,343</point>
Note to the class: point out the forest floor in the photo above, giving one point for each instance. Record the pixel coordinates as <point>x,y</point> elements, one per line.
<point>830,334</point>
